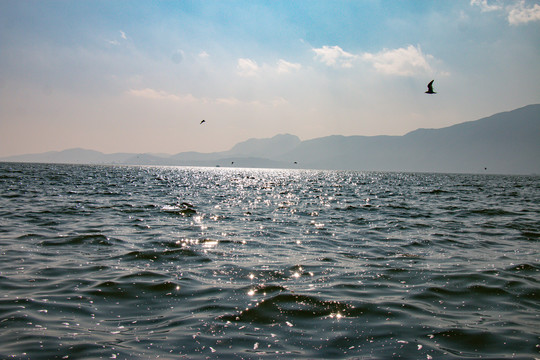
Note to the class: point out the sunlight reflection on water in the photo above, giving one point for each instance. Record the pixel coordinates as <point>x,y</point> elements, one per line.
<point>144,262</point>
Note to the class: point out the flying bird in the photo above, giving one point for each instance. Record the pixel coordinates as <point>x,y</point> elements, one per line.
<point>430,88</point>
<point>202,121</point>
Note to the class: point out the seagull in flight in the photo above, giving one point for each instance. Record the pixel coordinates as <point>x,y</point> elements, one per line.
<point>202,121</point>
<point>430,88</point>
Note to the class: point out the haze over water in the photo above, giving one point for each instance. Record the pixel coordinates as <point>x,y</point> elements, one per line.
<point>172,262</point>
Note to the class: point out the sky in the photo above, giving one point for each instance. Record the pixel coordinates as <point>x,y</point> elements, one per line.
<point>139,76</point>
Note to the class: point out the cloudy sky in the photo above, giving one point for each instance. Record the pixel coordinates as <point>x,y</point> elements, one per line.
<point>139,76</point>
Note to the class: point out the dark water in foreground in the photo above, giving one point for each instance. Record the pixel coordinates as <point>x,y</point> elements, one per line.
<point>163,262</point>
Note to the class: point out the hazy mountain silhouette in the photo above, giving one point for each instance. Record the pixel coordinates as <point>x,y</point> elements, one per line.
<point>273,147</point>
<point>507,143</point>
<point>246,153</point>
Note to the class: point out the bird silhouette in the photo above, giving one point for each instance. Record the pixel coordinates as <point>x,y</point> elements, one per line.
<point>202,121</point>
<point>430,88</point>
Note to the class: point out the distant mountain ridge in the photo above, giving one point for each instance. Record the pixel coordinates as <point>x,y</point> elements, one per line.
<point>504,143</point>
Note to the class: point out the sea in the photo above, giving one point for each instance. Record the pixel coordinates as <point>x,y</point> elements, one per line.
<point>142,262</point>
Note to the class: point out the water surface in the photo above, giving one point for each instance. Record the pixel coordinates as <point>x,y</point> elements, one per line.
<point>171,262</point>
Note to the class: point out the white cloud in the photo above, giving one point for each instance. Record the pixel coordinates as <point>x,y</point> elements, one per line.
<point>203,55</point>
<point>519,14</point>
<point>178,56</point>
<point>285,66</point>
<point>403,61</point>
<point>162,95</point>
<point>334,56</point>
<point>406,61</point>
<point>247,67</point>
<point>116,42</point>
<point>279,101</point>
<point>230,101</point>
<point>484,6</point>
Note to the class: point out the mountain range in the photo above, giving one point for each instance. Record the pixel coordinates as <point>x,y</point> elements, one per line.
<point>504,143</point>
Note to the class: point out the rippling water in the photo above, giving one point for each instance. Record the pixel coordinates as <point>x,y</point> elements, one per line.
<point>168,262</point>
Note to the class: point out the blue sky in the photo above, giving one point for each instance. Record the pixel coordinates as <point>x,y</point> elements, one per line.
<point>138,76</point>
